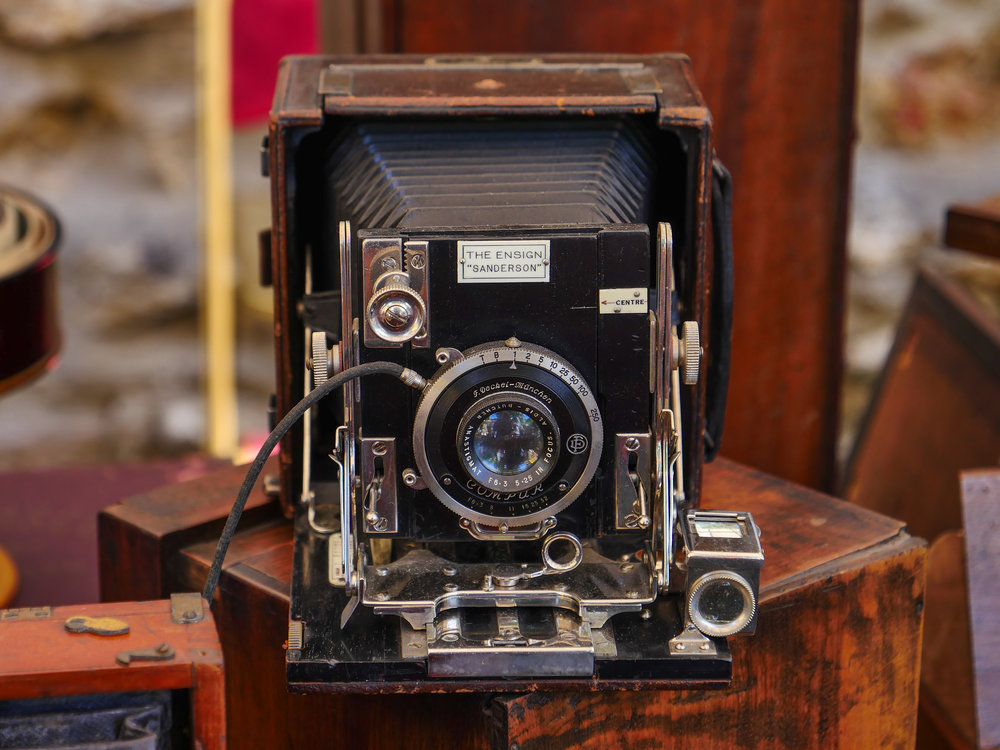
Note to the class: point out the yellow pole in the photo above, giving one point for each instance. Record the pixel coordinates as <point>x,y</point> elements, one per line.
<point>213,24</point>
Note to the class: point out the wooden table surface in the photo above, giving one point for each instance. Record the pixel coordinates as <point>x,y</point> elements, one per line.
<point>834,661</point>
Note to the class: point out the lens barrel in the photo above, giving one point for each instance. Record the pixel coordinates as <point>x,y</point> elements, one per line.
<point>508,434</point>
<point>508,441</point>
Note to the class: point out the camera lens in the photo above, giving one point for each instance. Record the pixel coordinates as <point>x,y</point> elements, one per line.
<point>515,430</point>
<point>721,603</point>
<point>508,442</point>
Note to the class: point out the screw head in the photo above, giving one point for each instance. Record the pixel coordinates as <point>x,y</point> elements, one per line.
<point>382,571</point>
<point>562,486</point>
<point>379,448</point>
<point>646,614</point>
<point>449,570</point>
<point>389,263</point>
<point>396,314</point>
<point>451,587</point>
<point>409,477</point>
<point>632,444</point>
<point>446,480</point>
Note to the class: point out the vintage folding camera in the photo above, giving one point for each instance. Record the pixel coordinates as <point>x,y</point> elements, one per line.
<point>531,237</point>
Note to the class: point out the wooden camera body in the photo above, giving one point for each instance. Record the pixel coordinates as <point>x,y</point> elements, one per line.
<point>532,236</point>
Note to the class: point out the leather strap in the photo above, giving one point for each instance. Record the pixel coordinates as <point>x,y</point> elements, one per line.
<point>720,335</point>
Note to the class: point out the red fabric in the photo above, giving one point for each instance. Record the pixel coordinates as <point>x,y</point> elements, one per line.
<point>264,31</point>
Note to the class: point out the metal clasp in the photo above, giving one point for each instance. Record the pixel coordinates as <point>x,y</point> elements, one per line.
<point>550,566</point>
<point>378,477</point>
<point>633,467</point>
<point>504,533</point>
<point>565,648</point>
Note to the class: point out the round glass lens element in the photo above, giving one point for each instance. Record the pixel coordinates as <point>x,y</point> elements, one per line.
<point>721,602</point>
<point>508,442</point>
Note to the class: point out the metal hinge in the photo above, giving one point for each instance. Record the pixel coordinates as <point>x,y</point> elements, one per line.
<point>187,608</point>
<point>641,81</point>
<point>295,635</point>
<point>335,82</point>
<point>25,613</point>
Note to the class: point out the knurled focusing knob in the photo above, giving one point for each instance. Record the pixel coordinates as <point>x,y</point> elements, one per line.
<point>396,313</point>
<point>690,352</point>
<point>320,358</point>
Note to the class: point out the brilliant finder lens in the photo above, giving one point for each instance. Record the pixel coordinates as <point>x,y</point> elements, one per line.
<point>508,442</point>
<point>722,602</point>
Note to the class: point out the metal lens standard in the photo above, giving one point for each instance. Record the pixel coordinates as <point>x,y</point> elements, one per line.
<point>508,442</point>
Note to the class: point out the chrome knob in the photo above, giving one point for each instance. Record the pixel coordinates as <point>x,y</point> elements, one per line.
<point>690,352</point>
<point>320,358</point>
<point>396,313</point>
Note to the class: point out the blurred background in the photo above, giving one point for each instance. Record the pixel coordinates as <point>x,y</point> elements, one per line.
<point>850,129</point>
<point>100,120</point>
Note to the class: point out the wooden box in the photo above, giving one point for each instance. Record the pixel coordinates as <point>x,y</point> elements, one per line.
<point>834,662</point>
<point>41,659</point>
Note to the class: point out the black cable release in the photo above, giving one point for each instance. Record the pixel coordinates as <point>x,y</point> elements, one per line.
<point>287,422</point>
